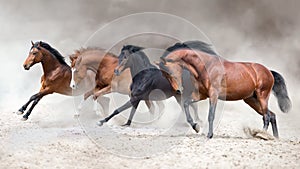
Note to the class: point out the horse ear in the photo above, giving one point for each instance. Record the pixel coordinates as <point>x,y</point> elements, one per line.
<point>32,43</point>
<point>163,60</point>
<point>79,60</point>
<point>71,58</point>
<point>40,43</point>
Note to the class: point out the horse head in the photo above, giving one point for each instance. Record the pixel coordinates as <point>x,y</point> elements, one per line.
<point>125,58</point>
<point>34,56</point>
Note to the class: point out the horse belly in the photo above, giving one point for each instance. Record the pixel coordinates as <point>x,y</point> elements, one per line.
<point>236,94</point>
<point>239,83</point>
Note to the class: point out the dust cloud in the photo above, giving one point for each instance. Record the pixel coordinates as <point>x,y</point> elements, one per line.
<point>258,31</point>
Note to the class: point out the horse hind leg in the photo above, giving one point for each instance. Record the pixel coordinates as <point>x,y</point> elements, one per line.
<point>268,117</point>
<point>116,112</point>
<point>274,124</point>
<point>132,112</point>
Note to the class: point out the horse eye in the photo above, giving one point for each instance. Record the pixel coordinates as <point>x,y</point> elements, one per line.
<point>34,53</point>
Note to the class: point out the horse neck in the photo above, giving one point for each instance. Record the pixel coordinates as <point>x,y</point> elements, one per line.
<point>92,61</point>
<point>199,59</point>
<point>50,63</point>
<point>138,64</point>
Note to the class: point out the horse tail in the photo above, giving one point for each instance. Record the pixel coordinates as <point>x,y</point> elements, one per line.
<point>280,91</point>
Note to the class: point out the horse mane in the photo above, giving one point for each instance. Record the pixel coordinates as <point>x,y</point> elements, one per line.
<point>137,49</point>
<point>198,45</point>
<point>82,50</point>
<point>53,51</point>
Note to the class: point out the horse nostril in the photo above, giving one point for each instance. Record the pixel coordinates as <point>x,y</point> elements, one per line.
<point>178,92</point>
<point>26,67</point>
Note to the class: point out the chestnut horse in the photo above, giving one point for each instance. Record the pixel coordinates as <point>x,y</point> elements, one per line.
<point>56,78</point>
<point>84,72</point>
<point>221,79</point>
<point>102,63</point>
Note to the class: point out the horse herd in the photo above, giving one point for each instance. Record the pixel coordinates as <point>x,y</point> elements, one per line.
<point>190,71</point>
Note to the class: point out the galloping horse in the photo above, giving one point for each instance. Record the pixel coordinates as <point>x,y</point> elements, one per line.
<point>56,78</point>
<point>146,79</point>
<point>102,64</point>
<point>84,69</point>
<point>221,79</point>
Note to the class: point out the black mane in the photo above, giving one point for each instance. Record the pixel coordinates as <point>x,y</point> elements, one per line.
<point>53,51</point>
<point>138,51</point>
<point>132,48</point>
<point>198,45</point>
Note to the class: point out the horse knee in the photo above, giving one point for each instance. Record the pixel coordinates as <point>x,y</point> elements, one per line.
<point>273,118</point>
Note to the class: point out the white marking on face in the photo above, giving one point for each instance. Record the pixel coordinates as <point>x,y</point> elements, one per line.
<point>72,83</point>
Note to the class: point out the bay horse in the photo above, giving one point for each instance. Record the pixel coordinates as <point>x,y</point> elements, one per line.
<point>219,78</point>
<point>102,64</point>
<point>146,79</point>
<point>56,77</point>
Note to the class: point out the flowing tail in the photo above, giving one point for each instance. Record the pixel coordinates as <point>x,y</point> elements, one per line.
<point>280,91</point>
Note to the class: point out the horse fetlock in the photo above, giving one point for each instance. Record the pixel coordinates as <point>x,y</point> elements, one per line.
<point>24,118</point>
<point>210,135</point>
<point>101,122</point>
<point>196,127</point>
<point>95,97</point>
<point>20,112</point>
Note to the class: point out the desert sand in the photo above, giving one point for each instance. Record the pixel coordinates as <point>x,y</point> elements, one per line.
<point>52,138</point>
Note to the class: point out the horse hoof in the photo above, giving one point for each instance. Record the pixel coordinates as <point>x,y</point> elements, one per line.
<point>100,123</point>
<point>19,112</point>
<point>209,135</point>
<point>24,118</point>
<point>125,125</point>
<point>196,127</point>
<point>76,116</point>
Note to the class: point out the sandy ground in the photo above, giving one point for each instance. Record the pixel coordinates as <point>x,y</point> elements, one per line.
<point>52,138</point>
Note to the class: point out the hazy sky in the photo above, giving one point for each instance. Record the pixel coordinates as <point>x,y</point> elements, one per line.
<point>260,31</point>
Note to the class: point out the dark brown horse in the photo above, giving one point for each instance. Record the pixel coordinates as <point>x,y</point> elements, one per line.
<point>221,79</point>
<point>56,78</point>
<point>148,83</point>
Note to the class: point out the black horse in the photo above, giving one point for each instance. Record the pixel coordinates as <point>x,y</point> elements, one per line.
<point>146,79</point>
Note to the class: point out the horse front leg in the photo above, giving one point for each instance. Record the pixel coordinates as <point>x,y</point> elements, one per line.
<point>211,115</point>
<point>189,118</point>
<point>24,107</point>
<point>38,97</point>
<point>117,111</point>
<point>35,102</point>
<point>102,92</point>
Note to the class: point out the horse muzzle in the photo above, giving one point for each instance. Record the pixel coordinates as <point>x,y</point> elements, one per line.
<point>117,72</point>
<point>26,67</point>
